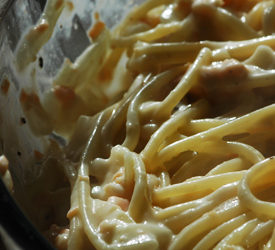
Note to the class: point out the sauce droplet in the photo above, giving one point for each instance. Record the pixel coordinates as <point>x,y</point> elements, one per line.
<point>5,86</point>
<point>96,30</point>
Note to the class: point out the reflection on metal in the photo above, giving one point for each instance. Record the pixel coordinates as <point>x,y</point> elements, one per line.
<point>4,6</point>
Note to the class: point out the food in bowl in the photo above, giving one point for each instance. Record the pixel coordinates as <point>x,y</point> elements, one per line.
<point>168,121</point>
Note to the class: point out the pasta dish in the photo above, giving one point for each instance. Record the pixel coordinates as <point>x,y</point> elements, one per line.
<point>169,123</point>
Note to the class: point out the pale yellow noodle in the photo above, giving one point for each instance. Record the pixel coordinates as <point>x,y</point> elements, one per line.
<point>238,235</point>
<point>236,126</point>
<point>260,232</point>
<point>208,221</point>
<point>235,164</point>
<point>133,113</point>
<point>260,171</point>
<point>196,187</point>
<point>217,234</point>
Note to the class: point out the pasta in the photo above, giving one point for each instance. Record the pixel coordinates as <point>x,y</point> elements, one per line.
<point>170,140</point>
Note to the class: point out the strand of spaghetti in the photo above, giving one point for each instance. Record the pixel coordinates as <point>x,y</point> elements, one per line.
<point>86,203</point>
<point>265,172</point>
<point>76,230</point>
<point>232,165</point>
<point>176,121</point>
<point>217,234</point>
<point>163,54</point>
<point>245,49</point>
<point>148,236</point>
<point>200,125</point>
<point>175,209</point>
<point>184,47</point>
<point>38,35</point>
<point>238,235</point>
<point>76,237</point>
<point>239,125</point>
<point>243,6</point>
<point>254,17</point>
<point>220,149</point>
<point>178,222</point>
<point>95,138</point>
<point>193,167</point>
<point>186,83</point>
<point>244,151</point>
<point>268,16</point>
<point>135,171</point>
<point>223,213</point>
<point>113,126</point>
<point>138,12</point>
<point>185,32</point>
<point>227,191</point>
<point>259,80</point>
<point>103,148</point>
<point>139,201</point>
<point>271,243</point>
<point>260,232</point>
<point>239,31</point>
<point>263,58</point>
<point>160,31</point>
<point>248,152</point>
<point>176,163</point>
<point>182,52</point>
<point>196,187</point>
<point>229,26</point>
<point>129,174</point>
<point>164,179</point>
<point>133,123</point>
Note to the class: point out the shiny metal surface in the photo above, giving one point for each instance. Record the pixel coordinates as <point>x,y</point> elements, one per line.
<point>4,7</point>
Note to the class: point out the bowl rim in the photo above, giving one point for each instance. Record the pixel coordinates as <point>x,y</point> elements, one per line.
<point>17,225</point>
